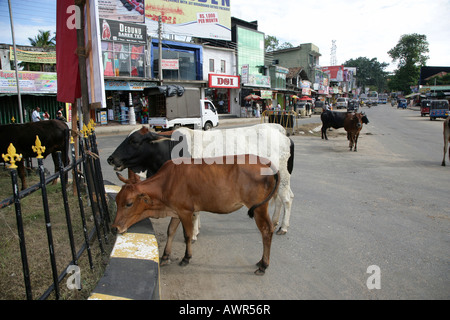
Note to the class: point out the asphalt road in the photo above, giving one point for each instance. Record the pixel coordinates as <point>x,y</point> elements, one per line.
<point>384,206</point>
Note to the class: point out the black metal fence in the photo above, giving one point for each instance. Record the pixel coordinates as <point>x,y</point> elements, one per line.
<point>87,175</point>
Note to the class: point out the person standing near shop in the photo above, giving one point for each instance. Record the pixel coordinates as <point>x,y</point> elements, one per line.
<point>36,115</point>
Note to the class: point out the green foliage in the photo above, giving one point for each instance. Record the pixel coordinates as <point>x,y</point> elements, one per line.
<point>271,43</point>
<point>410,53</point>
<point>370,73</point>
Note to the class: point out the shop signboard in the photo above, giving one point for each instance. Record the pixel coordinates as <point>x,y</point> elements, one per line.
<point>119,31</point>
<point>266,94</point>
<point>170,64</point>
<point>224,81</point>
<point>29,81</point>
<point>203,18</point>
<point>128,85</point>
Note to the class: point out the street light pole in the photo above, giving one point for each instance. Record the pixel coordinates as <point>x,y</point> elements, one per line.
<point>15,63</point>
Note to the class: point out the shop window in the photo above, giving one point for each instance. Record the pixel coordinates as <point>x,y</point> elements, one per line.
<point>123,60</point>
<point>211,65</point>
<point>223,66</point>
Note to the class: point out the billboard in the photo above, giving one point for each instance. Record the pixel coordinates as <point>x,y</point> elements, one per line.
<point>127,11</point>
<point>335,73</point>
<point>201,18</point>
<point>119,31</point>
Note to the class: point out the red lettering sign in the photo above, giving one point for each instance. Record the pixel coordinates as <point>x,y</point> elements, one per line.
<point>224,81</point>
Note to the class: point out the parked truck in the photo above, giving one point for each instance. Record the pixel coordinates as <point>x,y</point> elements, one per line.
<point>171,107</point>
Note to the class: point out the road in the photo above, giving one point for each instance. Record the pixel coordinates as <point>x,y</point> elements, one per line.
<point>384,206</point>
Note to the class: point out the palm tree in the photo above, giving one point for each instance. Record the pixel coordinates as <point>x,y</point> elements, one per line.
<point>43,40</point>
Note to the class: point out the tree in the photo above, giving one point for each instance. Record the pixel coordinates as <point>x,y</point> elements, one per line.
<point>410,52</point>
<point>370,73</point>
<point>43,40</point>
<point>271,43</point>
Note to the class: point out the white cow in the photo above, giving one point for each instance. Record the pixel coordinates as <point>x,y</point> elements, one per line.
<point>264,140</point>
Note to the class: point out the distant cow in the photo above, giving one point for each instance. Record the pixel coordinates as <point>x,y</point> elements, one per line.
<point>446,139</point>
<point>334,119</point>
<point>353,124</point>
<point>53,134</point>
<point>179,190</point>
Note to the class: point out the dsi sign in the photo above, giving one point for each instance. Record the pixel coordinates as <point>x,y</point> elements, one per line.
<point>224,81</point>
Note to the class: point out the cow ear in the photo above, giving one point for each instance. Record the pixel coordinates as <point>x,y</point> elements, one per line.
<point>122,178</point>
<point>133,178</point>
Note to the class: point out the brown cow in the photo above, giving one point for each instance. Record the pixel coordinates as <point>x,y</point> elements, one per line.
<point>179,190</point>
<point>446,139</point>
<point>353,124</point>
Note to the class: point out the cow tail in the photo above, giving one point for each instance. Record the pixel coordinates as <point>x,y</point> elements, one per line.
<point>251,211</point>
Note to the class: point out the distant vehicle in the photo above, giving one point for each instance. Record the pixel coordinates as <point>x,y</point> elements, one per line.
<point>382,98</point>
<point>439,109</point>
<point>401,104</point>
<point>372,98</point>
<point>353,105</point>
<point>425,107</point>
<point>342,103</point>
<point>319,107</point>
<point>182,107</point>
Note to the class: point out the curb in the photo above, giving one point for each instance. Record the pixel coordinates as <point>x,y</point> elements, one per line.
<point>133,269</point>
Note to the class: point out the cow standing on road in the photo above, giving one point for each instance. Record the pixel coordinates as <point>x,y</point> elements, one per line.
<point>335,119</point>
<point>213,185</point>
<point>353,124</point>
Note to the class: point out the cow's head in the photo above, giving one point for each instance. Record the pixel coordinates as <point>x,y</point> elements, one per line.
<point>130,153</point>
<point>134,203</point>
<point>364,118</point>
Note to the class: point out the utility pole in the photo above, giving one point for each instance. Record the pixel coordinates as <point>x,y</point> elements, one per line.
<point>160,50</point>
<point>81,51</point>
<point>15,63</point>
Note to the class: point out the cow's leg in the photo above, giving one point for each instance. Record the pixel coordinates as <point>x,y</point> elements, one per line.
<point>197,226</point>
<point>21,172</point>
<point>287,196</point>
<point>278,204</point>
<point>265,226</point>
<point>324,132</point>
<point>173,225</point>
<point>56,164</point>
<point>186,220</point>
<point>356,141</point>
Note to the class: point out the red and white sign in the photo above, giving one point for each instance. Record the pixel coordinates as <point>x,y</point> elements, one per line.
<point>170,64</point>
<point>207,17</point>
<point>224,81</point>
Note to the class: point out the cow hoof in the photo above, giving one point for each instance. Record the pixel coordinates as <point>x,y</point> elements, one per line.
<point>164,261</point>
<point>260,272</point>
<point>184,262</point>
<point>281,232</point>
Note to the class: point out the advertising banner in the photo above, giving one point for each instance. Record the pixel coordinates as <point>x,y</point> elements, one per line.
<point>29,81</point>
<point>33,56</point>
<point>122,10</point>
<point>336,73</point>
<point>202,18</point>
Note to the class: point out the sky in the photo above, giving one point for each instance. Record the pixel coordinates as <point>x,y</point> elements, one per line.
<point>361,28</point>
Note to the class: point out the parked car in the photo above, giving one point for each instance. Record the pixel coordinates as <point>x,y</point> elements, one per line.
<point>342,103</point>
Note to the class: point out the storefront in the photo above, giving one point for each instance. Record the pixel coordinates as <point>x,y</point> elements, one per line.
<point>121,95</point>
<point>222,91</point>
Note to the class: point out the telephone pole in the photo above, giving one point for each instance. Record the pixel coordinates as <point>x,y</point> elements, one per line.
<point>160,50</point>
